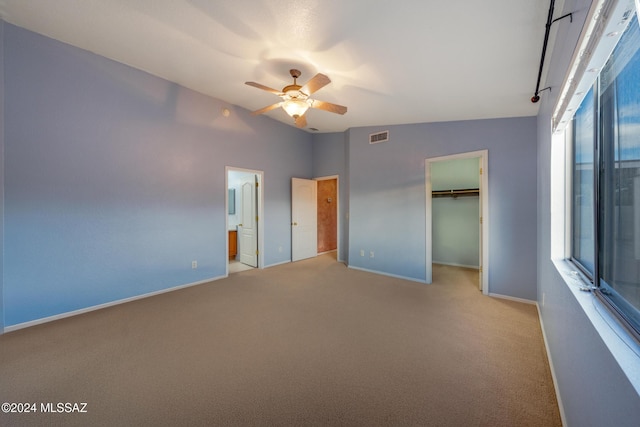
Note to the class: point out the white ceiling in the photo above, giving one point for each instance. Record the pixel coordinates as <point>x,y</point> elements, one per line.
<point>390,62</point>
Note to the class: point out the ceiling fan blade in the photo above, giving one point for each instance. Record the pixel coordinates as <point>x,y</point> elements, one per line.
<point>301,121</point>
<point>327,106</point>
<point>316,83</point>
<point>268,108</point>
<point>263,87</point>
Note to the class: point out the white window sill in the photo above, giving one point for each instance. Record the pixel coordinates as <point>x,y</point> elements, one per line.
<point>622,346</point>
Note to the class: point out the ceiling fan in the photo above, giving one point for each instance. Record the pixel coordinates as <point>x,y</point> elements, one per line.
<point>295,98</point>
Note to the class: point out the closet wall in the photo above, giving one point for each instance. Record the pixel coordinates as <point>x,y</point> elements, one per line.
<point>456,220</point>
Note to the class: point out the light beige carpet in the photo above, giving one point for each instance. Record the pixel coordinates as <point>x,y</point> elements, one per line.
<point>306,343</point>
<point>237,266</point>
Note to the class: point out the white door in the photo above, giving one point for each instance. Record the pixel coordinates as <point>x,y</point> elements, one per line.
<point>304,219</point>
<point>480,225</point>
<point>248,227</point>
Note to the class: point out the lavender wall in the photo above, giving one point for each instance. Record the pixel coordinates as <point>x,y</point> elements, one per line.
<point>114,183</point>
<point>114,179</point>
<point>329,159</point>
<point>1,174</point>
<point>456,220</point>
<point>387,197</point>
<point>593,389</point>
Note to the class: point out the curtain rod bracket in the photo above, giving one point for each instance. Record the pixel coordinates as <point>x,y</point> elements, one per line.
<point>570,15</point>
<point>535,98</point>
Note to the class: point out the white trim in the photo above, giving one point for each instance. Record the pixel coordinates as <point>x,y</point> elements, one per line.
<point>563,418</point>
<point>568,194</point>
<point>327,252</point>
<point>286,261</point>
<point>105,305</point>
<point>516,299</point>
<point>453,264</point>
<point>624,349</point>
<point>483,155</point>
<point>592,52</point>
<point>386,274</point>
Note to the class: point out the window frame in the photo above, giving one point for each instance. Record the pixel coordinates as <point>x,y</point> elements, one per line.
<point>621,309</point>
<point>591,276</point>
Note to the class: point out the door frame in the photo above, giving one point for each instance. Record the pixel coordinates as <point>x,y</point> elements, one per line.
<point>338,225</point>
<point>483,156</point>
<point>260,211</point>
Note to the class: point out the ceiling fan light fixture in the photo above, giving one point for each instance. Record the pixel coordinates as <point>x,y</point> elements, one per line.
<point>295,98</point>
<point>296,107</point>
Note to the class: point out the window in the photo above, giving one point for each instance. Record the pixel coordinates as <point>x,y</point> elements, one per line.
<point>582,207</point>
<point>605,206</point>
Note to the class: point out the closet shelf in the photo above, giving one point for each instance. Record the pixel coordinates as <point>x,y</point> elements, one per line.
<point>456,193</point>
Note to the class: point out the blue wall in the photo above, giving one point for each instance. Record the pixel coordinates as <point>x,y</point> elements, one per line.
<point>1,175</point>
<point>329,159</point>
<point>114,179</point>
<point>387,197</point>
<point>114,183</point>
<point>456,221</point>
<point>593,388</point>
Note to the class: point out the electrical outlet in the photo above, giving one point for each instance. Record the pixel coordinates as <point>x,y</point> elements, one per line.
<point>361,252</point>
<point>279,248</point>
<point>543,298</point>
<point>194,264</point>
<point>370,254</point>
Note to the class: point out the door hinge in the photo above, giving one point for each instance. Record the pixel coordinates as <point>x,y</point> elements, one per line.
<point>480,171</point>
<point>256,252</point>
<point>256,217</point>
<point>480,269</point>
<point>480,220</point>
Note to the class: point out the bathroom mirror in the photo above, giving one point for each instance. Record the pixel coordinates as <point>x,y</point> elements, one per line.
<point>232,201</point>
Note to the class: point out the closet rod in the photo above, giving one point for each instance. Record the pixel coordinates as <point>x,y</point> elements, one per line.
<point>456,193</point>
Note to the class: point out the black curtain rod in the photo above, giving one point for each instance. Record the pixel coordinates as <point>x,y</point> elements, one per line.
<point>536,97</point>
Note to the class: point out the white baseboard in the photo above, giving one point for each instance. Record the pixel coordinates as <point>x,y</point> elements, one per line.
<point>453,264</point>
<point>413,279</point>
<point>105,305</point>
<point>287,261</point>
<point>327,252</point>
<point>507,297</point>
<point>553,371</point>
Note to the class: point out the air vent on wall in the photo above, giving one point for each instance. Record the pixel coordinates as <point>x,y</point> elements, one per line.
<point>376,138</point>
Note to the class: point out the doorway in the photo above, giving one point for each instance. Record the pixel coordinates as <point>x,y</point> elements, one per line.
<point>327,214</point>
<point>464,190</point>
<point>244,206</point>
<point>315,228</point>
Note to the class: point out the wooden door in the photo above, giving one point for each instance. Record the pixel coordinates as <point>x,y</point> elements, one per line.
<point>327,215</point>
